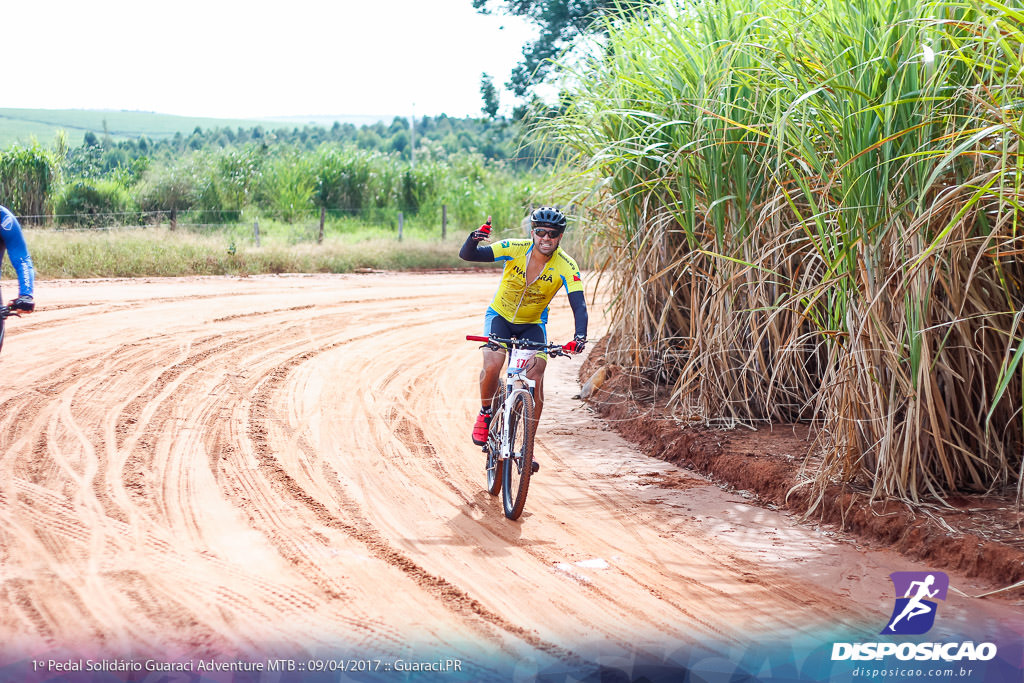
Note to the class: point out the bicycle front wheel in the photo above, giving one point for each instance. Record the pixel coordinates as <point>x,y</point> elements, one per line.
<point>493,447</point>
<point>519,466</point>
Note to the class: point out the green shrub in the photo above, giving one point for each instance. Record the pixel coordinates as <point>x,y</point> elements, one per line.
<point>28,176</point>
<point>94,203</point>
<point>287,188</point>
<point>171,189</point>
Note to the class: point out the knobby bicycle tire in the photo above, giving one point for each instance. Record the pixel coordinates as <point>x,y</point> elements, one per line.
<point>519,466</point>
<point>493,462</point>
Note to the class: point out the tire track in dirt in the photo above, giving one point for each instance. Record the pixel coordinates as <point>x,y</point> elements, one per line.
<point>174,371</point>
<point>64,386</point>
<point>416,439</point>
<point>178,483</point>
<point>228,467</point>
<point>63,519</point>
<point>53,421</point>
<point>163,381</point>
<point>750,573</point>
<point>399,385</point>
<point>288,548</point>
<point>398,412</point>
<point>455,599</point>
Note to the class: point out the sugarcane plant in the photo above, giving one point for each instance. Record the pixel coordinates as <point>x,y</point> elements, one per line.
<point>809,212</point>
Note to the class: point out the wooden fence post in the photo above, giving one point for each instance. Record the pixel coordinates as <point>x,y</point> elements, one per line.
<point>401,222</point>
<point>174,219</point>
<point>323,217</point>
<point>444,221</point>
<point>256,231</point>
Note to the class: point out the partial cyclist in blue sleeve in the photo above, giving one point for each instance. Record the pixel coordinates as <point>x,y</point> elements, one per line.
<point>13,242</point>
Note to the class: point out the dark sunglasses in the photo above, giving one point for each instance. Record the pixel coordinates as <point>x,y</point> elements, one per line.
<point>544,232</point>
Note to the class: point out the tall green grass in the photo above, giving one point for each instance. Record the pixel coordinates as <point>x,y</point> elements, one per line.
<point>810,212</point>
<point>162,252</point>
<point>280,247</point>
<point>28,178</point>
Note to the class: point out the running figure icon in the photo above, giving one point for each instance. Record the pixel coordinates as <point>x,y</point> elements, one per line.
<point>916,607</point>
<point>914,612</point>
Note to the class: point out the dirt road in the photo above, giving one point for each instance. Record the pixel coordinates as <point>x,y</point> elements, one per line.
<point>279,467</point>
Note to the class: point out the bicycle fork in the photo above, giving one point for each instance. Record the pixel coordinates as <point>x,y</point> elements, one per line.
<point>511,391</point>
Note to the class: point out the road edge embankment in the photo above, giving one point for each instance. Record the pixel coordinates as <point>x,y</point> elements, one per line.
<point>728,458</point>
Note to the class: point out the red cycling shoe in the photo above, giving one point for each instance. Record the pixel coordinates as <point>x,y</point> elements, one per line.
<point>483,422</point>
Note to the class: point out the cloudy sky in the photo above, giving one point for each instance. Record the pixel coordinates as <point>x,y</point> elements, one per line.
<point>244,60</point>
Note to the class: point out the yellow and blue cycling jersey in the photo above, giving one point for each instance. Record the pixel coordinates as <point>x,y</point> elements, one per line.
<point>525,303</point>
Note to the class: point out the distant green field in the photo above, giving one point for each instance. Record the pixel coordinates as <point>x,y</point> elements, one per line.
<point>24,125</point>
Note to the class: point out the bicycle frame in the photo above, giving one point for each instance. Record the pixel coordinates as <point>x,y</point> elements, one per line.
<point>518,354</point>
<point>5,312</point>
<point>516,382</point>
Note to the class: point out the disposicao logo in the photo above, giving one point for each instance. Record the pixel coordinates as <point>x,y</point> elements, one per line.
<point>914,614</point>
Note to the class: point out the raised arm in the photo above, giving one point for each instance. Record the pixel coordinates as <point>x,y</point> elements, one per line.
<point>472,250</point>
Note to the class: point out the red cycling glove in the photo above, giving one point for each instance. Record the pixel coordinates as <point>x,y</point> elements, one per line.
<point>483,233</point>
<point>575,346</point>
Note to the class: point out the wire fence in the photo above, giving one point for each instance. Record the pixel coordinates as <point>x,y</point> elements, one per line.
<point>394,219</point>
<point>432,222</point>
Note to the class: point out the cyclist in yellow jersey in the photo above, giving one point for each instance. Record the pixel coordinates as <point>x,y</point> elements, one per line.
<point>535,269</point>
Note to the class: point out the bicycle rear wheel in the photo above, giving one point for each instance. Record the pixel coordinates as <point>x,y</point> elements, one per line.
<point>519,466</point>
<point>493,447</point>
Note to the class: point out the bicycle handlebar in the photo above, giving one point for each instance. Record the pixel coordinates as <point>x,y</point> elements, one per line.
<point>550,349</point>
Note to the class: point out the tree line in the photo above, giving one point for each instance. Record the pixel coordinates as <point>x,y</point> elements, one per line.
<point>471,166</point>
<point>495,139</point>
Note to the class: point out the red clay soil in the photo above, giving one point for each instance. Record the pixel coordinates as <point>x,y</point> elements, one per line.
<point>980,536</point>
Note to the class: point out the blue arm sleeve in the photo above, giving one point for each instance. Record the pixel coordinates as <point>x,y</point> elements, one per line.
<point>471,251</point>
<point>579,311</point>
<point>17,251</point>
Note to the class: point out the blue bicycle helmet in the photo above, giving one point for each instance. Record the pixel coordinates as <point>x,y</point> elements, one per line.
<point>548,216</point>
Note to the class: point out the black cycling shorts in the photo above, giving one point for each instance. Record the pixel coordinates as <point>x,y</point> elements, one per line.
<point>496,326</point>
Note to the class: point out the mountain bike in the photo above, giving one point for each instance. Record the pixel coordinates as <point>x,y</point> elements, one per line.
<point>509,447</point>
<point>5,312</point>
